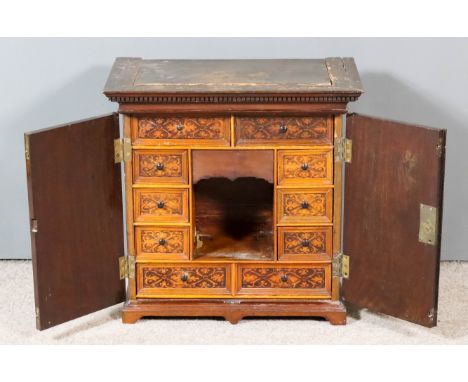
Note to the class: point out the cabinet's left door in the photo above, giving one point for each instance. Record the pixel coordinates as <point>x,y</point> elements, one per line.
<point>75,207</point>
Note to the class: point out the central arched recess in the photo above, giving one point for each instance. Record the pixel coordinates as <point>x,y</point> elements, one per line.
<point>233,204</point>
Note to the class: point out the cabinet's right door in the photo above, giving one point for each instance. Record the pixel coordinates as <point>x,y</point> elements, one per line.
<point>395,177</point>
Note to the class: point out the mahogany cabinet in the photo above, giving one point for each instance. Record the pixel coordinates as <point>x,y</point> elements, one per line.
<point>247,191</point>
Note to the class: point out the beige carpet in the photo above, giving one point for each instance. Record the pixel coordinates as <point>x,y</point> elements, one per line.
<point>17,324</point>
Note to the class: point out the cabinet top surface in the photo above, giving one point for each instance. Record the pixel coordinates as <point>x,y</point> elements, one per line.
<point>134,76</point>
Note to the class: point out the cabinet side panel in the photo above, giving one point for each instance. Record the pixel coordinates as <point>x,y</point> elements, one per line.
<point>129,207</point>
<point>337,205</point>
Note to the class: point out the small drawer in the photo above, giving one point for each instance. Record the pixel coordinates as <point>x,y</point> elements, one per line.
<point>305,243</point>
<point>180,280</point>
<point>160,205</point>
<point>284,280</point>
<point>305,168</point>
<point>164,243</point>
<point>284,130</point>
<point>305,206</point>
<point>181,131</point>
<point>160,166</point>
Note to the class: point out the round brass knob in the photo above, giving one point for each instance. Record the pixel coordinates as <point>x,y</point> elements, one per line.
<point>304,204</point>
<point>161,204</point>
<point>184,277</point>
<point>180,127</point>
<point>283,129</point>
<point>284,278</point>
<point>305,243</point>
<point>305,166</point>
<point>160,166</point>
<point>162,241</point>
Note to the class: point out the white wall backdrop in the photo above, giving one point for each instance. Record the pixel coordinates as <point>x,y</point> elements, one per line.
<point>50,81</point>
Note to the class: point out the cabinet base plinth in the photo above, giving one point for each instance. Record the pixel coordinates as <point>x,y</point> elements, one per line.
<point>234,310</point>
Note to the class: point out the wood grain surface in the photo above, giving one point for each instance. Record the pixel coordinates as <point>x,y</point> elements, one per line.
<point>395,167</point>
<point>75,207</point>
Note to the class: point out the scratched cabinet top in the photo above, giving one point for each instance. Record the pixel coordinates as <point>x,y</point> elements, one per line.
<point>286,76</point>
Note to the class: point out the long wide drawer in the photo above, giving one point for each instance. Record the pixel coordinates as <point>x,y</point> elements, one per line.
<point>184,279</point>
<point>160,205</point>
<point>160,166</point>
<point>305,206</point>
<point>317,130</point>
<point>162,130</point>
<point>284,280</point>
<point>162,243</point>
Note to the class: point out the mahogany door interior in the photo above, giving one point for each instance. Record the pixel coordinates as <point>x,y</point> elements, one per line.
<point>395,169</point>
<point>75,205</point>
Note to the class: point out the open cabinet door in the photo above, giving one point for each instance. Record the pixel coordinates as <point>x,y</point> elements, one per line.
<point>75,207</point>
<point>391,234</point>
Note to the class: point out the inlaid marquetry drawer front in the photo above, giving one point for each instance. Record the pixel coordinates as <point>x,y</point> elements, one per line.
<point>160,166</point>
<point>161,243</point>
<point>161,205</point>
<point>284,130</point>
<point>305,206</point>
<point>160,130</point>
<point>284,280</point>
<point>305,167</point>
<point>305,243</point>
<point>183,280</point>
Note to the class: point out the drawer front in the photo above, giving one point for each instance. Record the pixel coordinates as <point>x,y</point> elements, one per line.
<point>305,243</point>
<point>180,131</point>
<point>161,205</point>
<point>284,130</point>
<point>305,206</point>
<point>160,166</point>
<point>183,280</point>
<point>162,242</point>
<point>300,167</point>
<point>284,280</point>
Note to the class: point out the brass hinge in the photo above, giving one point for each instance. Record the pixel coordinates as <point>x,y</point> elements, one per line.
<point>122,150</point>
<point>440,148</point>
<point>343,150</point>
<point>340,265</point>
<point>34,228</point>
<point>127,267</point>
<point>427,224</point>
<point>26,147</point>
<point>37,314</point>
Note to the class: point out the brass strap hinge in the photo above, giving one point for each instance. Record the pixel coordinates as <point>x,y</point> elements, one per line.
<point>343,150</point>
<point>37,314</point>
<point>127,267</point>
<point>428,222</point>
<point>26,147</point>
<point>122,150</point>
<point>340,265</point>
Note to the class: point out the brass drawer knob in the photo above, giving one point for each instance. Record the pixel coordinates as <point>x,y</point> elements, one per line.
<point>161,204</point>
<point>305,166</point>
<point>159,166</point>
<point>304,205</point>
<point>283,128</point>
<point>305,243</point>
<point>162,241</point>
<point>179,127</point>
<point>184,277</point>
<point>284,278</point>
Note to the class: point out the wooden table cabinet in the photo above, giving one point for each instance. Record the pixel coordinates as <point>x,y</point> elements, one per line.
<point>235,199</point>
